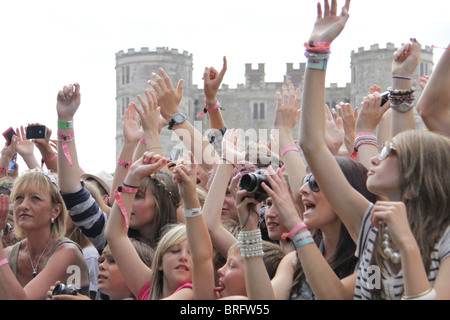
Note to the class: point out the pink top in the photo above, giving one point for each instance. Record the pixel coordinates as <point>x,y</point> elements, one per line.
<point>144,293</point>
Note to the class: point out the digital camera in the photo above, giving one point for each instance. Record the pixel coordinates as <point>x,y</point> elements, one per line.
<point>252,183</point>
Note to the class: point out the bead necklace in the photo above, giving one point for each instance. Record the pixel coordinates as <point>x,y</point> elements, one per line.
<point>31,262</point>
<point>394,257</point>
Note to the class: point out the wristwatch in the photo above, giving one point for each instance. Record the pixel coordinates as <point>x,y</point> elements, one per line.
<point>178,118</point>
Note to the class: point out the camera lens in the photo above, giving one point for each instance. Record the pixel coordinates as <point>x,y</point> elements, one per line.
<point>252,183</point>
<point>60,288</point>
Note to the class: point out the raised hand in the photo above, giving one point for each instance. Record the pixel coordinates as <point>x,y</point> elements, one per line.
<point>147,165</point>
<point>370,112</point>
<point>67,102</point>
<point>150,114</point>
<point>334,131</point>
<point>168,98</point>
<point>406,59</point>
<point>131,130</point>
<point>212,80</point>
<point>288,108</point>
<point>329,25</point>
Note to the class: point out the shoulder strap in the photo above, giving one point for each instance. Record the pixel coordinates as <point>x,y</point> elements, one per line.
<point>14,256</point>
<point>57,244</point>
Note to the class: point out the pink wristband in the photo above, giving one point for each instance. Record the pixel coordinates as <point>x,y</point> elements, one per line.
<point>64,138</point>
<point>293,231</point>
<point>3,262</point>
<point>55,155</point>
<point>123,163</point>
<point>143,141</point>
<point>364,133</point>
<point>287,149</point>
<point>119,201</point>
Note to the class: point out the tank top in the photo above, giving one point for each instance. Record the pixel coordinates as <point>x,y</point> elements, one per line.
<point>14,256</point>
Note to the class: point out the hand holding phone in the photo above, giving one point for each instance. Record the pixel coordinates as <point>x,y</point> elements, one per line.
<point>36,132</point>
<point>8,134</point>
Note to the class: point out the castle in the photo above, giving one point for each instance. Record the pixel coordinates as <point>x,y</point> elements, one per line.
<point>249,105</point>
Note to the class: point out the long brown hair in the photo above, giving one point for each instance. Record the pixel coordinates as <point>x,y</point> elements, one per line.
<point>424,161</point>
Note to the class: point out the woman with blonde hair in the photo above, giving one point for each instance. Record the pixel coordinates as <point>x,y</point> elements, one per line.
<point>44,256</point>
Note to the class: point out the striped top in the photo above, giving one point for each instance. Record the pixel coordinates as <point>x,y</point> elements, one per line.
<point>87,215</point>
<point>369,275</point>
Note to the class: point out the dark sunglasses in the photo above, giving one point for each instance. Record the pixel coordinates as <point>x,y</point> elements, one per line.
<point>311,182</point>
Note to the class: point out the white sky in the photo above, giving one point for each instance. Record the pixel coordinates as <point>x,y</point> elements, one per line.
<point>48,44</point>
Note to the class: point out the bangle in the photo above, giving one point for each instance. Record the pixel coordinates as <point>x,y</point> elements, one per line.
<point>300,239</point>
<point>293,231</point>
<point>250,243</point>
<point>3,262</point>
<point>193,212</point>
<point>65,124</point>
<point>123,163</point>
<point>287,149</point>
<point>129,186</point>
<point>401,77</point>
<point>428,294</point>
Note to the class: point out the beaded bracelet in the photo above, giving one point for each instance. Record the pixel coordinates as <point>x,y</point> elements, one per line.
<point>250,243</point>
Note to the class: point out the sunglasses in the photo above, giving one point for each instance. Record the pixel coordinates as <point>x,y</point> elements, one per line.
<point>386,151</point>
<point>311,182</point>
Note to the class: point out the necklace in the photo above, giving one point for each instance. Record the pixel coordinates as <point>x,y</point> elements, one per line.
<point>37,264</point>
<point>393,256</point>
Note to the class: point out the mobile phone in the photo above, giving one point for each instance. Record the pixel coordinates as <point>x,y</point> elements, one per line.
<point>8,134</point>
<point>384,98</point>
<point>174,155</point>
<point>36,132</point>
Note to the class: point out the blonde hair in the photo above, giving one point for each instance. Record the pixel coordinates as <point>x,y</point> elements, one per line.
<point>43,181</point>
<point>173,235</point>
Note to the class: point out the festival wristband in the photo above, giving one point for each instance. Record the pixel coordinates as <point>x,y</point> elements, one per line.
<point>293,231</point>
<point>3,262</point>
<point>300,239</point>
<point>65,124</point>
<point>64,138</point>
<point>119,201</point>
<point>287,149</point>
<point>317,64</point>
<point>124,163</point>
<point>210,109</point>
<point>193,212</point>
<point>55,155</point>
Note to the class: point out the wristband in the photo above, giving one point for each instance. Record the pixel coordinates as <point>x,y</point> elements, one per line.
<point>143,141</point>
<point>287,149</point>
<point>119,201</point>
<point>3,262</point>
<point>293,231</point>
<point>55,155</point>
<point>123,163</point>
<point>65,124</point>
<point>207,108</point>
<point>64,138</point>
<point>317,64</point>
<point>193,212</point>
<point>314,43</point>
<point>300,239</point>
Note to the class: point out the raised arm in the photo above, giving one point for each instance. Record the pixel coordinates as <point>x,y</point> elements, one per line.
<point>212,208</point>
<point>169,100</point>
<point>211,83</point>
<point>286,117</point>
<point>323,281</point>
<point>49,155</point>
<point>132,268</point>
<point>404,63</point>
<point>131,134</point>
<point>434,103</point>
<point>347,202</point>
<point>200,246</point>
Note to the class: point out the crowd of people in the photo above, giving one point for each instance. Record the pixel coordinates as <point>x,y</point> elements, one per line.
<point>358,209</point>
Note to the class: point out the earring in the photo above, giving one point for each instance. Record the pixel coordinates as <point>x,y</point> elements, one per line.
<point>52,220</point>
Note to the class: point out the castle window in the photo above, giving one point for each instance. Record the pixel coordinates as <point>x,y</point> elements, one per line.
<point>125,74</point>
<point>259,111</point>
<point>128,74</point>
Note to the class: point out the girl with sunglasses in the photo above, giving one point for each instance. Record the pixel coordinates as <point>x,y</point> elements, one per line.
<point>403,242</point>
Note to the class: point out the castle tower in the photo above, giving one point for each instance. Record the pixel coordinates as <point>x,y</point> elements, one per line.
<point>134,69</point>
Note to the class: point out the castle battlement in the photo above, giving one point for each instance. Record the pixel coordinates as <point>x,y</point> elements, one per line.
<point>156,51</point>
<point>389,47</point>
